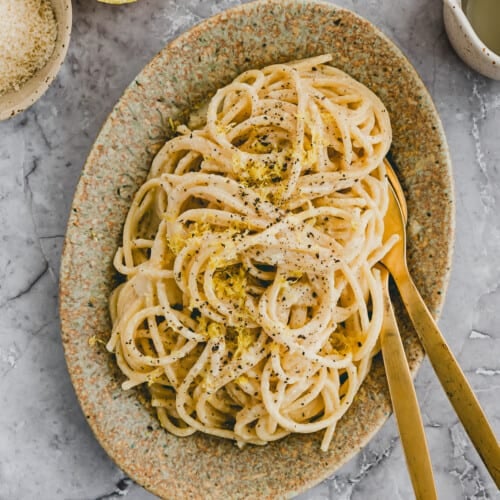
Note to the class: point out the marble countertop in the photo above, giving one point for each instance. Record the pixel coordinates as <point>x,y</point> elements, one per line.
<point>47,450</point>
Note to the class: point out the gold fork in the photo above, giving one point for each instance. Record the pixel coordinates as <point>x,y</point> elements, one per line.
<point>404,402</point>
<point>444,363</point>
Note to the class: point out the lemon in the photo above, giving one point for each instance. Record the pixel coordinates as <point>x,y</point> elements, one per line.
<point>116,2</point>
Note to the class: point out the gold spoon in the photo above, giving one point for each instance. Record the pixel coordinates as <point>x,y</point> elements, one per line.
<point>404,402</point>
<point>444,363</point>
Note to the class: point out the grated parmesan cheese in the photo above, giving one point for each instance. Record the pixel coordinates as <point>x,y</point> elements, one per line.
<point>28,32</point>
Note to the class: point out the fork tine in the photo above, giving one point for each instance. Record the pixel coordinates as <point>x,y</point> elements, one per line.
<point>396,185</point>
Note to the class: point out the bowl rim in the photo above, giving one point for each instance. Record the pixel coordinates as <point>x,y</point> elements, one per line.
<point>467,43</point>
<point>14,102</point>
<point>199,27</point>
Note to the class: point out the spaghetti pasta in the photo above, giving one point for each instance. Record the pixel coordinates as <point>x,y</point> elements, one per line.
<point>252,306</point>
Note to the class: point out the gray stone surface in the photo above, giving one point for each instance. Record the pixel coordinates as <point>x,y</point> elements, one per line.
<point>47,451</point>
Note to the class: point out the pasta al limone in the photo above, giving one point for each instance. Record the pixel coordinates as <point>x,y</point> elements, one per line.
<point>252,305</point>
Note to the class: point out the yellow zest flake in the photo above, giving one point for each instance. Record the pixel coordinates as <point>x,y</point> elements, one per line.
<point>238,163</point>
<point>174,124</point>
<point>168,218</point>
<point>215,330</point>
<point>223,129</point>
<point>310,158</point>
<point>236,226</point>
<point>154,380</point>
<point>327,119</point>
<point>242,380</point>
<point>176,244</point>
<point>214,262</point>
<point>202,325</point>
<point>210,328</point>
<point>345,345</point>
<point>95,340</point>
<point>225,252</point>
<point>245,340</point>
<point>258,173</point>
<point>231,283</point>
<point>199,229</point>
<point>209,159</point>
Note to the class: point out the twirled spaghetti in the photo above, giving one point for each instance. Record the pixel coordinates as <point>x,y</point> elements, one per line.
<point>252,307</point>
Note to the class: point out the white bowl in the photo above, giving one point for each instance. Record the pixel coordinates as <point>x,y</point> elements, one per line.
<point>14,102</point>
<point>466,43</point>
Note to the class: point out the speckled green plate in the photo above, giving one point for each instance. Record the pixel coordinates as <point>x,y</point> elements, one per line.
<point>186,72</point>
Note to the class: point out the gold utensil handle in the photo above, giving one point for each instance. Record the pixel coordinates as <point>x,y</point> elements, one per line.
<point>451,376</point>
<point>406,409</point>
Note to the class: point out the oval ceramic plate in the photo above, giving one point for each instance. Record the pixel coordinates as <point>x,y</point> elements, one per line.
<point>186,72</point>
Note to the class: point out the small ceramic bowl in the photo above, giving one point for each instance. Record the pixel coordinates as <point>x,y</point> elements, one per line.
<point>466,43</point>
<point>14,102</point>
